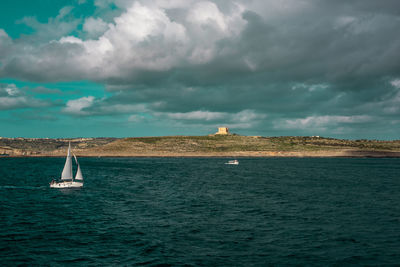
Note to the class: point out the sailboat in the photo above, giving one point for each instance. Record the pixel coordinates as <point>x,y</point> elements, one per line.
<point>67,180</point>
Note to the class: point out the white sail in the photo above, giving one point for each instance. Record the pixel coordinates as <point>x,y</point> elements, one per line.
<point>67,171</point>
<point>78,175</point>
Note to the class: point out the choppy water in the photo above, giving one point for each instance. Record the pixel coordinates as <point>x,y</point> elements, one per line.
<point>201,212</point>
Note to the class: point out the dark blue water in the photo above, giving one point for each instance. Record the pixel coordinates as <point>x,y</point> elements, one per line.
<point>201,212</point>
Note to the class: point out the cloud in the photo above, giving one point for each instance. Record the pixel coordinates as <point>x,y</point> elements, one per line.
<point>12,97</point>
<point>5,44</point>
<point>95,26</point>
<point>46,91</point>
<point>301,64</point>
<point>197,115</point>
<point>327,125</point>
<point>245,38</point>
<point>137,118</point>
<point>4,35</point>
<point>77,106</point>
<point>9,90</point>
<point>143,38</point>
<point>242,119</point>
<point>63,24</point>
<point>91,106</point>
<point>395,83</point>
<point>313,122</point>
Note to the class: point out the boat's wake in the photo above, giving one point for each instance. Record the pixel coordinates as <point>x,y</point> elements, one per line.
<point>22,187</point>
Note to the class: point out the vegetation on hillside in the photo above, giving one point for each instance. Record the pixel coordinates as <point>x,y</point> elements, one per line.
<point>29,146</point>
<point>234,143</point>
<point>185,145</point>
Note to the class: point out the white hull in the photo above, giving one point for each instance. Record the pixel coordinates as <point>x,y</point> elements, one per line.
<point>232,162</point>
<point>66,185</point>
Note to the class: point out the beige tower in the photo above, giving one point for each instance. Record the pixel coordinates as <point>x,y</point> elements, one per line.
<point>223,130</point>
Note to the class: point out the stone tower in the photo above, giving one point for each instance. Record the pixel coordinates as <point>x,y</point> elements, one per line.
<point>223,130</point>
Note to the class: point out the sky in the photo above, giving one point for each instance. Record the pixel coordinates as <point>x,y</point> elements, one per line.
<point>120,68</point>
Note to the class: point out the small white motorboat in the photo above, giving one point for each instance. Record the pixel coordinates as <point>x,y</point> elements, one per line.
<point>67,180</point>
<point>233,162</point>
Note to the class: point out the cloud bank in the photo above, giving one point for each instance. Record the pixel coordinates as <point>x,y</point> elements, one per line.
<point>277,67</point>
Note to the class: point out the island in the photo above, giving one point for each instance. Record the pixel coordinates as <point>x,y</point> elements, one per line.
<point>214,145</point>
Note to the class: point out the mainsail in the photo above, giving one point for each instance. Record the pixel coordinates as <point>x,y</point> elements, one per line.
<point>78,175</point>
<point>67,171</point>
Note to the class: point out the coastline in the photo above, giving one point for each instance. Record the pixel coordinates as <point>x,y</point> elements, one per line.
<point>200,146</point>
<point>246,154</point>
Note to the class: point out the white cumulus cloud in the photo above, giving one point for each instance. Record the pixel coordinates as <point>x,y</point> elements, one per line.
<point>197,115</point>
<point>395,83</point>
<point>76,106</point>
<point>95,26</point>
<point>322,121</point>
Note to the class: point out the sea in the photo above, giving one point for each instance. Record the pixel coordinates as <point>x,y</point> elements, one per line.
<point>202,212</point>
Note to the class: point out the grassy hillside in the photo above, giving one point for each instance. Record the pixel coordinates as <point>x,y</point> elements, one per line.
<point>47,146</point>
<point>213,145</point>
<point>235,143</point>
